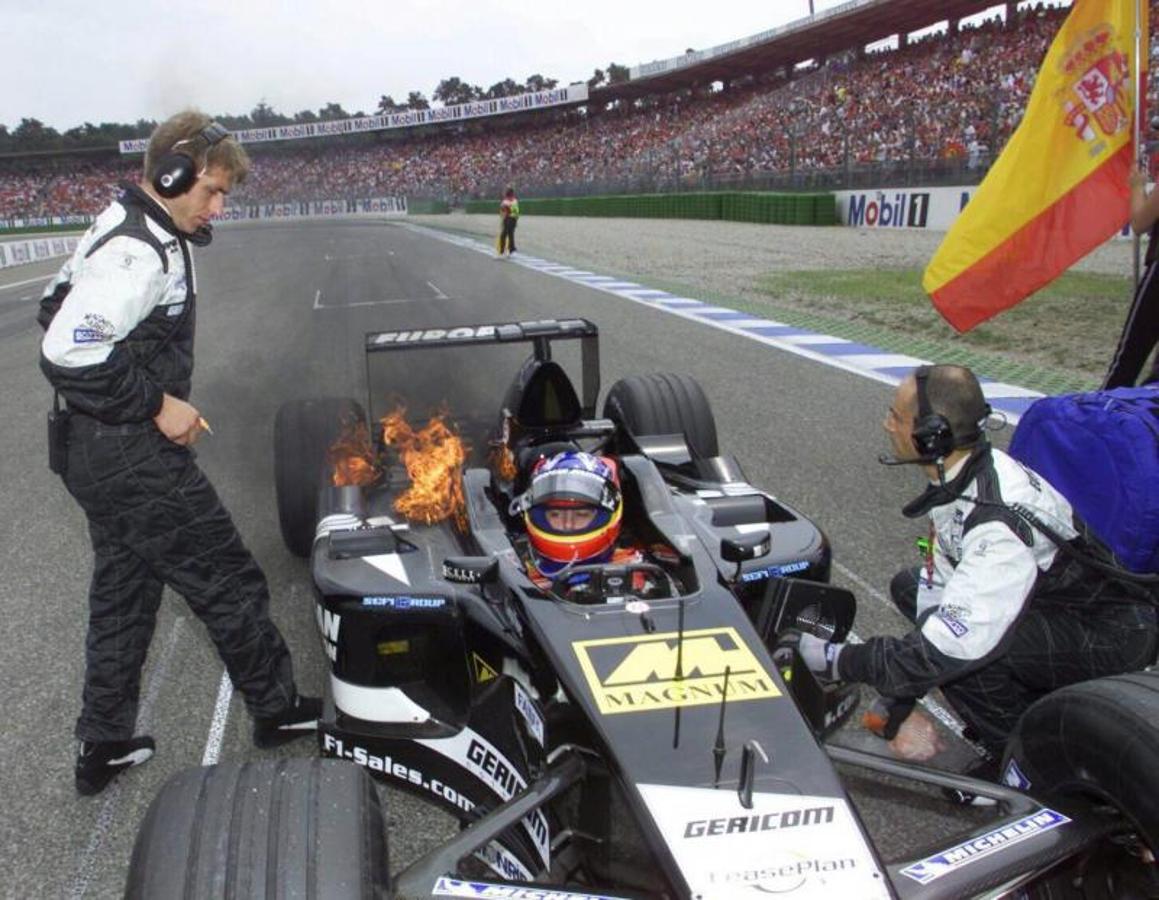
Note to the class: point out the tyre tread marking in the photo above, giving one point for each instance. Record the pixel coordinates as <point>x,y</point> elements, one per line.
<point>192,878</point>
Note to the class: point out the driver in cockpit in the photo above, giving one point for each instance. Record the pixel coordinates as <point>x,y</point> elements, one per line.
<point>573,512</point>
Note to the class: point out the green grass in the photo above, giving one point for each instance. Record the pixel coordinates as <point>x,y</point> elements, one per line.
<point>905,285</point>
<point>1052,348</point>
<point>1058,339</point>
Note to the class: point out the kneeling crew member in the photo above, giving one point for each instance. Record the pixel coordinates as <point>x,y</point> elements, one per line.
<point>1002,615</point>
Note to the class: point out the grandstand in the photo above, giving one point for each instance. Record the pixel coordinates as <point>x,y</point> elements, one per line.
<point>804,105</point>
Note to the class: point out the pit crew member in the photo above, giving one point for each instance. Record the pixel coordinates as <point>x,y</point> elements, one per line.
<point>118,351</point>
<point>1002,615</point>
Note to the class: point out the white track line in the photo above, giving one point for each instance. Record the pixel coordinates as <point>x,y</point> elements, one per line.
<point>43,279</point>
<point>318,305</point>
<point>217,724</point>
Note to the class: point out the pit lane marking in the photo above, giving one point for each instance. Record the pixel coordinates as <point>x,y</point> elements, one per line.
<point>319,305</point>
<point>327,257</point>
<point>220,717</point>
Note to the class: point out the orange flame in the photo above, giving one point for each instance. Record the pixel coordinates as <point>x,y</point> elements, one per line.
<point>501,458</point>
<point>352,456</point>
<point>433,458</point>
<point>503,462</point>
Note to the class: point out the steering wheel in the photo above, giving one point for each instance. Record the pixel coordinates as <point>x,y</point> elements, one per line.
<point>611,583</point>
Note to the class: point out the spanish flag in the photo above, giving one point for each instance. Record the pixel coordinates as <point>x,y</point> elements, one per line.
<point>1059,188</point>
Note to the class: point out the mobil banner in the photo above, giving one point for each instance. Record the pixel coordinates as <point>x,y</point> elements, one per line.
<point>931,208</point>
<point>308,209</point>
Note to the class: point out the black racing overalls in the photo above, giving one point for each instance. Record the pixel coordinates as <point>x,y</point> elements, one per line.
<point>119,322</point>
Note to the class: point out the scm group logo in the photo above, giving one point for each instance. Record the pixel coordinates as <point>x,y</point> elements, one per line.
<point>901,209</point>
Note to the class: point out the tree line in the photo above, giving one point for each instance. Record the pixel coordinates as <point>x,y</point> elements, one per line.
<point>33,136</point>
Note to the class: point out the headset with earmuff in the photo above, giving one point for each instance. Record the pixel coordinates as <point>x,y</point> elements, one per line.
<point>933,435</point>
<point>934,439</point>
<point>177,170</point>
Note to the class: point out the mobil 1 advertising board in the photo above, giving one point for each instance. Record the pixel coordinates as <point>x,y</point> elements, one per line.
<point>931,208</point>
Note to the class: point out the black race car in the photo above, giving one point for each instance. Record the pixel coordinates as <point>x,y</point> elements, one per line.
<point>626,729</point>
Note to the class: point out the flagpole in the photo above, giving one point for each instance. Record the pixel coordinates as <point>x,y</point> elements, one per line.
<point>1140,99</point>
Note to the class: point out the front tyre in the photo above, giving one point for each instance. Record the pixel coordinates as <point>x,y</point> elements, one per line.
<point>647,405</point>
<point>1099,740</point>
<point>275,828</point>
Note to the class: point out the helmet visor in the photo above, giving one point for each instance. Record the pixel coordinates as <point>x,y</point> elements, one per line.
<point>572,486</point>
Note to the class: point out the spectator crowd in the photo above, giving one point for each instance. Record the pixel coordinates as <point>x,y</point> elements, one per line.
<point>946,97</point>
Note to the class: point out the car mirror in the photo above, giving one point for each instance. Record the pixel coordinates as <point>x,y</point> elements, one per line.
<point>470,569</point>
<point>824,610</point>
<point>742,549</point>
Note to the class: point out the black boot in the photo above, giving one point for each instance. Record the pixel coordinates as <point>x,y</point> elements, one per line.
<point>299,719</point>
<point>98,762</point>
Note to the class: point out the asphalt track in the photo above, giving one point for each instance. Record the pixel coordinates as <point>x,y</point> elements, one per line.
<point>282,312</point>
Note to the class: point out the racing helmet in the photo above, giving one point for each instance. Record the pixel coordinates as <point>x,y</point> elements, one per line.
<point>572,510</point>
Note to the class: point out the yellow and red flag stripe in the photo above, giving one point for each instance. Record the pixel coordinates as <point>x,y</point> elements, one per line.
<point>1059,188</point>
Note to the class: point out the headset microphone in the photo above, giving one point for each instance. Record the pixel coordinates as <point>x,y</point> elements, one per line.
<point>886,460</point>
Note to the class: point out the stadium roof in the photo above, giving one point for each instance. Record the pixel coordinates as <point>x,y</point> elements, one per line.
<point>851,25</point>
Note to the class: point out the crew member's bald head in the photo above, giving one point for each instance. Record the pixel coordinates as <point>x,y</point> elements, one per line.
<point>954,392</point>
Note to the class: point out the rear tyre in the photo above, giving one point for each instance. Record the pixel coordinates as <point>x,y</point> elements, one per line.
<point>276,828</point>
<point>304,431</point>
<point>664,404</point>
<point>1099,740</point>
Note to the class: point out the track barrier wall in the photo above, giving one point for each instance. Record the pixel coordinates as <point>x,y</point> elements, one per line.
<point>22,252</point>
<point>422,207</point>
<point>733,206</point>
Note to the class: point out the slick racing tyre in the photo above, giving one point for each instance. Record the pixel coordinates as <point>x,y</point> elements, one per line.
<point>304,431</point>
<point>1098,739</point>
<point>275,828</point>
<point>664,404</point>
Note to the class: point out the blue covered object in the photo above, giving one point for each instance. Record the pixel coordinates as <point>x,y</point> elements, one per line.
<point>1101,450</point>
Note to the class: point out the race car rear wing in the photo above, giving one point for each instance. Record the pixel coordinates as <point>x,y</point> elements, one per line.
<point>540,334</point>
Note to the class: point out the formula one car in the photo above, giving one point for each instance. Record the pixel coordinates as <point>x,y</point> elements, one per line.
<point>619,730</point>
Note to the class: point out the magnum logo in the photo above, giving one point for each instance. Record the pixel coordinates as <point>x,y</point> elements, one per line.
<point>637,674</point>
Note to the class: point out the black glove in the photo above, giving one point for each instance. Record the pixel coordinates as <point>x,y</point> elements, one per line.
<point>818,654</point>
